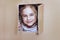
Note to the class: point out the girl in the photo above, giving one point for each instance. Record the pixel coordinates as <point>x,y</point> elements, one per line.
<point>28,17</point>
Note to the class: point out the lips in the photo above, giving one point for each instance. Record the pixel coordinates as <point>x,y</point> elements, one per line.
<point>29,21</point>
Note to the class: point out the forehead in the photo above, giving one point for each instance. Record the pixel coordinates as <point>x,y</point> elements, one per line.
<point>28,10</point>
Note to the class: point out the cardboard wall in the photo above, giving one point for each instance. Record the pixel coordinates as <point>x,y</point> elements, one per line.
<point>8,22</point>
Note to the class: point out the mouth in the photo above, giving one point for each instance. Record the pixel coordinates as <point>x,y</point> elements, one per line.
<point>29,21</point>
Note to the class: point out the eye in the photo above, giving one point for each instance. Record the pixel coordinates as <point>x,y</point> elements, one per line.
<point>24,15</point>
<point>31,14</point>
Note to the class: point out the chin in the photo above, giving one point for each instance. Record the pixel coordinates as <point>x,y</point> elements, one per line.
<point>29,24</point>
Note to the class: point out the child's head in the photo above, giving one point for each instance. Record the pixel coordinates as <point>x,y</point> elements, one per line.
<point>28,15</point>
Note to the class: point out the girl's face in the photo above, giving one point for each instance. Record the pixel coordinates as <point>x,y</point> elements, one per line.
<point>29,16</point>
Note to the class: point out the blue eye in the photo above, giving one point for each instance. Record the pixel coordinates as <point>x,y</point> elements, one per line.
<point>31,14</point>
<point>24,15</point>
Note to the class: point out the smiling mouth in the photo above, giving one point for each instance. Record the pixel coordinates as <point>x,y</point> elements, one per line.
<point>29,21</point>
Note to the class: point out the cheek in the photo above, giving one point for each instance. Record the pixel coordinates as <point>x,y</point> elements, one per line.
<point>24,19</point>
<point>33,18</point>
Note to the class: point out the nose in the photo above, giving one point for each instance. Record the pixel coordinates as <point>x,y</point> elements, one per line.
<point>28,18</point>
